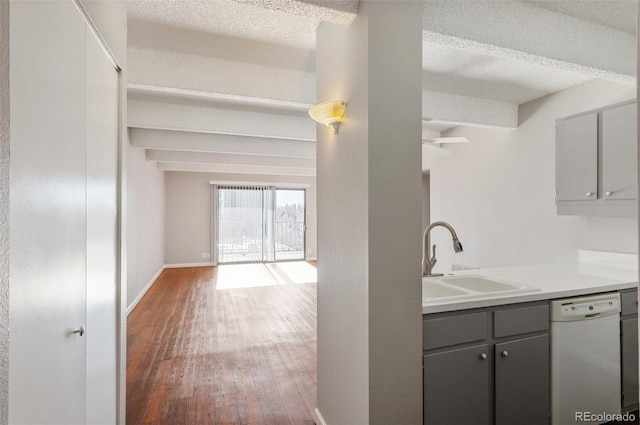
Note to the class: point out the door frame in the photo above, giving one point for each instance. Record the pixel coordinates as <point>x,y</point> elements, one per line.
<point>121,228</point>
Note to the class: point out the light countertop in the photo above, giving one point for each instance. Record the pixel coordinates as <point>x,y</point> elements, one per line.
<point>594,272</point>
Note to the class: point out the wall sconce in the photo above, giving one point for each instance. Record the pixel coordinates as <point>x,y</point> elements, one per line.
<point>328,113</point>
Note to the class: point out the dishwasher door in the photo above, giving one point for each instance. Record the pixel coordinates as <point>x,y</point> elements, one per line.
<point>585,358</point>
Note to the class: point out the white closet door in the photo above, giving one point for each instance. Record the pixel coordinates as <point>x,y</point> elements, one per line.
<point>47,219</point>
<point>102,172</point>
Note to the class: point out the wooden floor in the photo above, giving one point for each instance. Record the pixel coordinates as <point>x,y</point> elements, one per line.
<point>197,355</point>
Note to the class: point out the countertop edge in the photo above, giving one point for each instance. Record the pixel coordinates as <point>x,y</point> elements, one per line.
<point>523,298</point>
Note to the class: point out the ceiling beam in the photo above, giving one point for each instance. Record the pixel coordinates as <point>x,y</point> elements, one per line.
<point>172,94</point>
<point>522,32</point>
<point>195,116</point>
<point>463,110</point>
<point>227,158</point>
<point>222,143</point>
<point>236,169</point>
<point>222,74</point>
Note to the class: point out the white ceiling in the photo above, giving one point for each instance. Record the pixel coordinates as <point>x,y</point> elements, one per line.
<point>287,23</point>
<point>618,14</point>
<point>466,73</point>
<point>224,71</point>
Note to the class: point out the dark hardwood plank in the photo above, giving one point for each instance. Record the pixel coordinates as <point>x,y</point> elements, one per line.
<point>198,355</point>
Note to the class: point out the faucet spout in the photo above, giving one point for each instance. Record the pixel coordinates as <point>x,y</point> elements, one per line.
<point>428,261</point>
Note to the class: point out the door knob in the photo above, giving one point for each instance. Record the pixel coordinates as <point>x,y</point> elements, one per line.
<point>483,356</point>
<point>79,331</point>
<point>505,353</point>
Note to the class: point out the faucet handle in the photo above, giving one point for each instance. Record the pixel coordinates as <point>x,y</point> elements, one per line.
<point>433,259</point>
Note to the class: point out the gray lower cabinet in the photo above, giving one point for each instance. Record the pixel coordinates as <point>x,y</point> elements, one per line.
<point>456,386</point>
<point>487,366</point>
<point>522,381</point>
<point>629,349</point>
<point>629,363</point>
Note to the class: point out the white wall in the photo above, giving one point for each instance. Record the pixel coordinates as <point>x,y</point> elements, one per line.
<point>426,199</point>
<point>4,212</point>
<point>369,219</point>
<point>109,17</point>
<point>145,211</point>
<point>498,190</point>
<point>343,310</point>
<point>188,212</point>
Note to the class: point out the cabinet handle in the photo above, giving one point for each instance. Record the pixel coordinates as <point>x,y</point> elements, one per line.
<point>483,356</point>
<point>589,193</point>
<point>505,353</point>
<point>80,331</point>
<point>608,193</point>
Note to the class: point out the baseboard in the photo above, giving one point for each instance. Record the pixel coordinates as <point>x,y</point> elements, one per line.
<point>144,291</point>
<point>317,417</point>
<point>178,266</point>
<point>311,259</point>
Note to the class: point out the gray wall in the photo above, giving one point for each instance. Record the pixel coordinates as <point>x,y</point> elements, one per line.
<point>498,190</point>
<point>4,211</point>
<point>188,212</point>
<point>369,218</point>
<point>145,212</point>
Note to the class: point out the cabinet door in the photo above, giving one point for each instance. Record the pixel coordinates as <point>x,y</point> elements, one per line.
<point>47,219</point>
<point>577,158</point>
<point>456,387</point>
<point>619,161</point>
<point>522,381</point>
<point>629,362</point>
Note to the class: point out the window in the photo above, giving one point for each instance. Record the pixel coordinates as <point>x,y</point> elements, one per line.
<point>259,224</point>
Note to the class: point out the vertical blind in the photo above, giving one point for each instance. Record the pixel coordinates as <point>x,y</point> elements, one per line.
<point>242,217</point>
<point>252,226</point>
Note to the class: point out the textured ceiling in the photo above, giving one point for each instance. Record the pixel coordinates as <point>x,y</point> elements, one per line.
<point>286,22</point>
<point>250,64</point>
<point>618,14</point>
<point>508,50</point>
<point>230,18</point>
<point>337,11</point>
<point>464,73</point>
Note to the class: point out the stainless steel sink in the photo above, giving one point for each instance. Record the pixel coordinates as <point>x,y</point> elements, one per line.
<point>480,284</point>
<point>452,288</point>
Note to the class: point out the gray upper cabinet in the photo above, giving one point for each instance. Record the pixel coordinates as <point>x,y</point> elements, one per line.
<point>619,161</point>
<point>577,158</point>
<point>596,162</point>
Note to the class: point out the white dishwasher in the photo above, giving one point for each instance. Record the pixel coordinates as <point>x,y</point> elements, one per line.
<point>585,358</point>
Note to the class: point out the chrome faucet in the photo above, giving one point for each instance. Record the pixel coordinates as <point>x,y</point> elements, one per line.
<point>429,263</point>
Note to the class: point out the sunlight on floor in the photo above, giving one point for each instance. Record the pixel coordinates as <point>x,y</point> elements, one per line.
<point>235,276</point>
